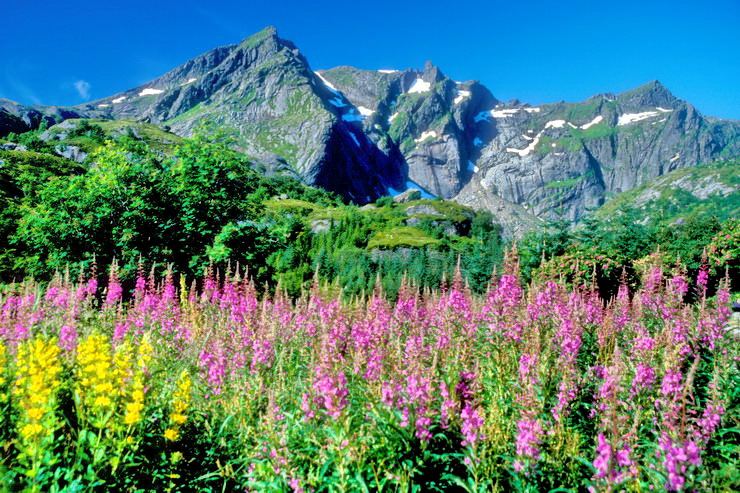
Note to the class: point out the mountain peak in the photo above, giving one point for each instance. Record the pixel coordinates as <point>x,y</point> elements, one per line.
<point>432,73</point>
<point>650,94</point>
<point>260,36</point>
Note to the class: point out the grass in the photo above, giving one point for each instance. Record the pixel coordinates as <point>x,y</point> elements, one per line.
<point>290,205</point>
<point>446,210</point>
<point>404,236</point>
<point>594,132</point>
<point>191,114</point>
<point>569,182</point>
<point>152,135</point>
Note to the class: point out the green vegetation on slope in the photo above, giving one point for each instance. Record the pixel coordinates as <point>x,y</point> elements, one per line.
<point>697,191</point>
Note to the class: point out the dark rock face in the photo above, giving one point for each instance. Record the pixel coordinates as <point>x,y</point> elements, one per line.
<point>365,133</point>
<point>17,118</point>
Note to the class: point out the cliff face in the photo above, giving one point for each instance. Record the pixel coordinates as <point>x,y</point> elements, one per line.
<point>367,133</point>
<point>554,161</point>
<point>282,114</point>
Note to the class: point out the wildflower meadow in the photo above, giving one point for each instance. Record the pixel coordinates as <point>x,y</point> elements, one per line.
<point>215,385</point>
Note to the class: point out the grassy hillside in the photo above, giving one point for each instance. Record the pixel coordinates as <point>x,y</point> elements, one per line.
<point>699,191</point>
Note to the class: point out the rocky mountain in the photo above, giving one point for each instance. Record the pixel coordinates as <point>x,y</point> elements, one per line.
<point>18,118</point>
<point>699,191</point>
<point>368,133</point>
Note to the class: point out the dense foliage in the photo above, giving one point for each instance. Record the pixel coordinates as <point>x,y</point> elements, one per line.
<point>222,390</point>
<point>608,250</point>
<point>204,203</point>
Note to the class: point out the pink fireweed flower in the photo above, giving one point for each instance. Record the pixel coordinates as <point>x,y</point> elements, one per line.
<point>702,280</point>
<point>709,421</point>
<point>92,287</point>
<point>140,288</point>
<point>528,440</point>
<point>623,314</point>
<point>679,286</point>
<point>67,339</point>
<point>671,385</point>
<point>447,404</point>
<point>567,393</point>
<point>423,423</point>
<point>263,355</point>
<point>712,325</point>
<point>471,423</point>
<point>644,378</point>
<point>114,292</point>
<point>543,301</point>
<point>119,332</point>
<point>295,484</point>
<point>331,391</point>
<point>306,407</point>
<point>527,367</point>
<point>678,459</point>
<point>214,364</point>
<point>603,461</point>
<point>388,393</point>
<point>612,466</point>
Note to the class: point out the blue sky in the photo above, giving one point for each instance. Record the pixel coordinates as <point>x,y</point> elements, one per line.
<point>72,51</point>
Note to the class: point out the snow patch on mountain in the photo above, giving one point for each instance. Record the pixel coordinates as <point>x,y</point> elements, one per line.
<point>327,84</point>
<point>461,95</point>
<point>431,133</point>
<point>628,118</point>
<point>555,124</point>
<point>532,145</point>
<point>419,86</point>
<point>504,113</point>
<point>150,92</point>
<point>593,122</point>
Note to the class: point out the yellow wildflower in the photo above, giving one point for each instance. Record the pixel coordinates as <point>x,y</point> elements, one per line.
<point>35,396</point>
<point>35,413</point>
<point>3,366</point>
<point>180,401</point>
<point>171,434</point>
<point>31,429</point>
<point>95,377</point>
<point>102,401</point>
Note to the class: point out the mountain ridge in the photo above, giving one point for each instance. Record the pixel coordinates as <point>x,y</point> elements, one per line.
<point>367,133</point>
